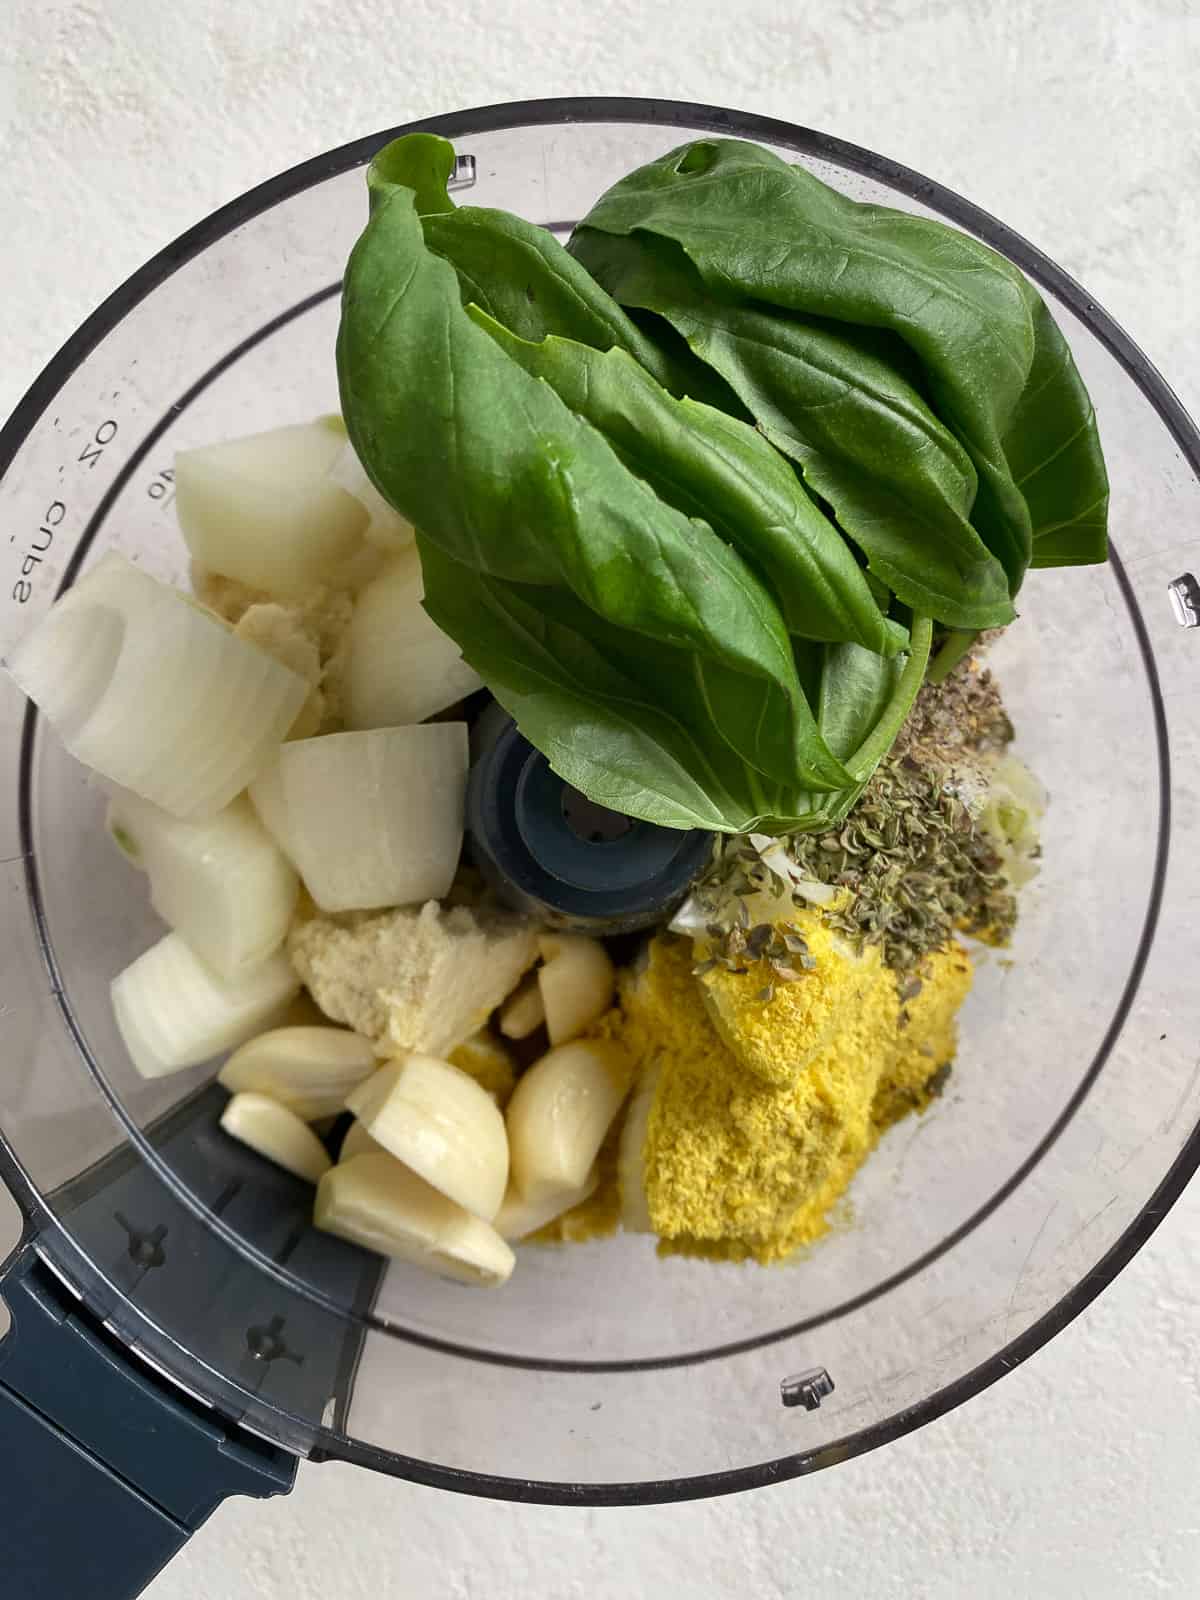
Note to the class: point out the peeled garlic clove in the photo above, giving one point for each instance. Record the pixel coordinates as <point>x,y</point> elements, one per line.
<point>276,1133</point>
<point>174,1012</point>
<point>471,1251</point>
<point>375,1201</point>
<point>309,1070</point>
<point>439,1122</point>
<point>523,1011</point>
<point>577,983</point>
<point>1013,806</point>
<point>559,1113</point>
<point>631,1155</point>
<point>518,1217</point>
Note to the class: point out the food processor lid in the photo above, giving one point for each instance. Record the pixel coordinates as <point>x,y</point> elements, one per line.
<point>187,1258</point>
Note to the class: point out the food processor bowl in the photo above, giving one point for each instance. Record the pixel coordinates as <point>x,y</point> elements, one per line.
<point>601,1373</point>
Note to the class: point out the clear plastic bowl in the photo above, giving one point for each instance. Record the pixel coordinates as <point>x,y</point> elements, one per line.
<point>602,1373</point>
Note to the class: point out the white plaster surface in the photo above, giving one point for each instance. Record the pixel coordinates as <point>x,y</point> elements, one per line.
<point>123,121</point>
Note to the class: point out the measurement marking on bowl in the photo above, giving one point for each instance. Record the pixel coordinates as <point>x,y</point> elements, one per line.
<point>94,448</point>
<point>806,1389</point>
<point>1184,592</point>
<point>34,547</point>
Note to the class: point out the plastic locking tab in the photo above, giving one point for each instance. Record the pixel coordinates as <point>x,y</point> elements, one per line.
<point>111,1469</point>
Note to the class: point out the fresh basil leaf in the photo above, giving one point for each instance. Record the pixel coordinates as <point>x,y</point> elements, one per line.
<point>518,272</point>
<point>526,280</point>
<point>866,699</point>
<point>856,688</point>
<point>422,162</point>
<point>863,726</point>
<point>707,706</point>
<point>1053,449</point>
<point>757,229</point>
<point>829,396</point>
<point>589,698</point>
<point>492,467</point>
<point>712,466</point>
<point>600,730</point>
<point>615,560</point>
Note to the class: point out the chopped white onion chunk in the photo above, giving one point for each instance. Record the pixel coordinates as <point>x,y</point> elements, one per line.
<point>400,666</point>
<point>372,819</point>
<point>154,692</point>
<point>387,529</point>
<point>222,884</point>
<point>265,509</point>
<point>266,796</point>
<point>174,1012</point>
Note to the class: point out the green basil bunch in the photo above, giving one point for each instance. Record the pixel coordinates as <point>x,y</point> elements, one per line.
<point>914,375</point>
<point>697,555</point>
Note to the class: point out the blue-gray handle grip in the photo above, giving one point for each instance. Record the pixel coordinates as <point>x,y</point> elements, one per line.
<point>107,1470</point>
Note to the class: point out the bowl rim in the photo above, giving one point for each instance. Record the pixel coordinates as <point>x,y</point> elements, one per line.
<point>1039,267</point>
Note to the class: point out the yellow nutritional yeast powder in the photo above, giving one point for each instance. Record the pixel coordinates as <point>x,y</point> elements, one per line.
<point>750,1118</point>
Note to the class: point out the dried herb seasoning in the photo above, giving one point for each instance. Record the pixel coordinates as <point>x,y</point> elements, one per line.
<point>956,722</point>
<point>737,884</point>
<point>914,863</point>
<point>916,866</point>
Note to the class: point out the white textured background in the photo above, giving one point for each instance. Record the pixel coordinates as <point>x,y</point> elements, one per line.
<point>123,121</point>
